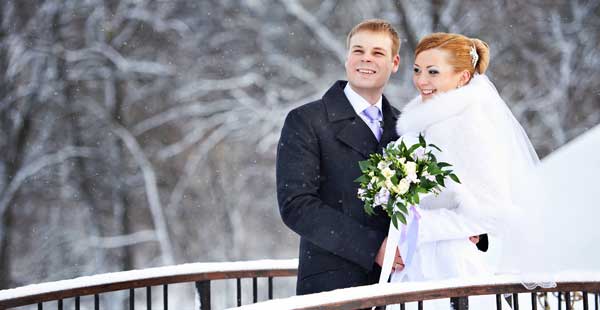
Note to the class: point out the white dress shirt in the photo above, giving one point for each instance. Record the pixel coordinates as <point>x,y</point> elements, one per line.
<point>359,104</point>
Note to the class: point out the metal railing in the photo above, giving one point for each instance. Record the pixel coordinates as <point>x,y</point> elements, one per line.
<point>53,294</point>
<point>572,291</point>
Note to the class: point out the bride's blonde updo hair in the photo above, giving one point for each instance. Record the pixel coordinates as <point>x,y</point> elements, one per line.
<point>459,48</point>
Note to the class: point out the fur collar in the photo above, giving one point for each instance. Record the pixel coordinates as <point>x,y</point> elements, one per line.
<point>417,116</point>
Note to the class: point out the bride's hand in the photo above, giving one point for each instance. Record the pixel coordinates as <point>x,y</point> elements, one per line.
<point>398,264</point>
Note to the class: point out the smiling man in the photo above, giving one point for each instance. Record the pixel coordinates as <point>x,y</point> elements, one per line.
<point>317,162</point>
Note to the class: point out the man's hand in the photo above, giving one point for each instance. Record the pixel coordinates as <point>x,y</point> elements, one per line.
<point>398,264</point>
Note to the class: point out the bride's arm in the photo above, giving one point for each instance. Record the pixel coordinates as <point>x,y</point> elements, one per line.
<point>460,222</point>
<point>479,203</point>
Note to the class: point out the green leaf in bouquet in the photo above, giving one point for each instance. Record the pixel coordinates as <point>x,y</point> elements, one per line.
<point>455,178</point>
<point>422,141</point>
<point>433,169</point>
<point>364,165</point>
<point>402,207</point>
<point>369,208</point>
<point>362,179</point>
<point>435,147</point>
<point>402,146</point>
<point>440,180</point>
<point>422,190</point>
<point>401,217</point>
<point>443,164</point>
<point>395,221</point>
<point>413,148</point>
<point>426,184</point>
<point>408,199</point>
<point>390,205</point>
<point>416,198</point>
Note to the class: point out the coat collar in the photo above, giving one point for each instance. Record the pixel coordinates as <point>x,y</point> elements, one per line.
<point>356,133</point>
<point>338,107</point>
<point>418,115</point>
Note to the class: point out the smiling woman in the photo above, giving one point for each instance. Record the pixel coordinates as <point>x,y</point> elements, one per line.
<point>446,61</point>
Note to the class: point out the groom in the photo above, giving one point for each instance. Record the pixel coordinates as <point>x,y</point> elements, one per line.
<point>317,162</point>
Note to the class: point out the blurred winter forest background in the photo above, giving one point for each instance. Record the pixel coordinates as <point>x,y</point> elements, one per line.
<point>139,133</point>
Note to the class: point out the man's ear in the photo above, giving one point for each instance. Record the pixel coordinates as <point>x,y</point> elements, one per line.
<point>396,62</point>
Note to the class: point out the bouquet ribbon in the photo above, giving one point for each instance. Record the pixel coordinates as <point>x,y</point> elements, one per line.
<point>405,239</point>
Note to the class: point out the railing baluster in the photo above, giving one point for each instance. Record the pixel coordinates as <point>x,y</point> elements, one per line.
<point>77,302</point>
<point>402,306</point>
<point>420,305</point>
<point>559,300</point>
<point>270,288</point>
<point>165,297</point>
<point>596,300</point>
<point>585,301</point>
<point>254,289</point>
<point>203,288</point>
<point>59,304</point>
<point>498,302</point>
<point>41,307</point>
<point>239,291</point>
<point>515,301</point>
<point>96,302</point>
<point>533,301</point>
<point>459,303</point>
<point>131,299</point>
<point>568,301</point>
<point>148,298</point>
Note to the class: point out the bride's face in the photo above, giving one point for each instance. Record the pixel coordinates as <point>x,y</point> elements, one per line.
<point>433,74</point>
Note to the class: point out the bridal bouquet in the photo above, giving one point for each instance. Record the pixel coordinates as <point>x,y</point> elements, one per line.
<point>395,179</point>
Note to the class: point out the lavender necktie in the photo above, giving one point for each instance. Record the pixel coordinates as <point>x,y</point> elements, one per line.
<point>374,116</point>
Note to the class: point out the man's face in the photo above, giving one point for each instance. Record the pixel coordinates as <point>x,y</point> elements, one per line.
<point>370,62</point>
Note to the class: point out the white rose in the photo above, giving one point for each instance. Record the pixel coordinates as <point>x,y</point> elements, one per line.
<point>388,184</point>
<point>388,173</point>
<point>413,178</point>
<point>403,186</point>
<point>411,167</point>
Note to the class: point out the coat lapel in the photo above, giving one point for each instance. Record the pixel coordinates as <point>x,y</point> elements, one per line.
<point>354,132</point>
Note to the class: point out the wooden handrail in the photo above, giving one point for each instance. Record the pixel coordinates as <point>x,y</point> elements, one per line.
<point>116,281</point>
<point>394,293</point>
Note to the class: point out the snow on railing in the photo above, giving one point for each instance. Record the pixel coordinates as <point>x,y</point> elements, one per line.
<point>108,282</point>
<point>395,293</point>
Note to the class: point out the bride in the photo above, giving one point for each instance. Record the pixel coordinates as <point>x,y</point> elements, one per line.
<point>459,110</point>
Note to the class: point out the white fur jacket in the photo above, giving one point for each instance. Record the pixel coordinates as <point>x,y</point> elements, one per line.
<point>455,122</point>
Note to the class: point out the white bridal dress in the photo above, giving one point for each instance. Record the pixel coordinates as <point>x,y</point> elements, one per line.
<point>491,154</point>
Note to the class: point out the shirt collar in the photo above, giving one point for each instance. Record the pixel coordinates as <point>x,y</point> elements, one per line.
<point>359,104</point>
